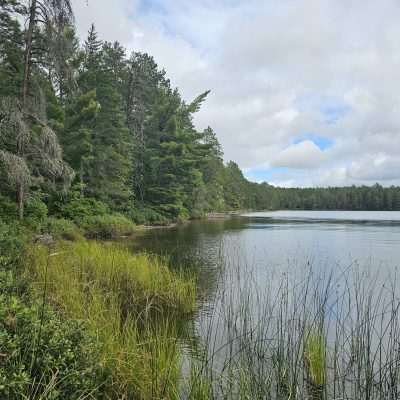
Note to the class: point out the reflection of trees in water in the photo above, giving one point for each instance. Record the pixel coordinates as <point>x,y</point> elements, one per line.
<point>196,248</point>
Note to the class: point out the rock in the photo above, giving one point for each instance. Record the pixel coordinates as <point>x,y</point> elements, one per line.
<point>44,239</point>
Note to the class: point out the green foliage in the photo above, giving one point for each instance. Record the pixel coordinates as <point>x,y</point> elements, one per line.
<point>35,210</point>
<point>79,208</point>
<point>42,356</point>
<point>147,215</point>
<point>8,209</point>
<point>129,303</point>
<point>107,226</point>
<point>12,243</point>
<point>314,358</point>
<point>62,229</point>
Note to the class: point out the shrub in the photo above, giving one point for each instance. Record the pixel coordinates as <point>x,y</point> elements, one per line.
<point>107,226</point>
<point>43,357</point>
<point>12,243</point>
<point>35,213</point>
<point>8,208</point>
<point>62,229</point>
<point>79,208</point>
<point>147,215</point>
<point>35,210</point>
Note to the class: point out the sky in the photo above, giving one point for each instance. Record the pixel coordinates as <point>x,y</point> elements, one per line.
<point>303,92</point>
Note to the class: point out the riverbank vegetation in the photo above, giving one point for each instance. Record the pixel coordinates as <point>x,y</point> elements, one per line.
<point>309,335</point>
<point>89,320</point>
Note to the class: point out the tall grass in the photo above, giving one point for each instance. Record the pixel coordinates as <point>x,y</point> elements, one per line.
<point>129,303</point>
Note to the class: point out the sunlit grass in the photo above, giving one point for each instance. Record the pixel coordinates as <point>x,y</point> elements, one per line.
<point>129,303</point>
<point>315,363</point>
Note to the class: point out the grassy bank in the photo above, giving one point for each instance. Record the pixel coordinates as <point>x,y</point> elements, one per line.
<point>88,320</point>
<point>128,303</point>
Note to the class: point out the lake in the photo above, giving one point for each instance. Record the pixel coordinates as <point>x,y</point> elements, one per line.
<point>269,281</point>
<point>272,242</point>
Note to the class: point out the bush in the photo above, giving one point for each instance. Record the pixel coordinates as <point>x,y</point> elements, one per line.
<point>63,229</point>
<point>79,208</point>
<point>43,357</point>
<point>107,226</point>
<point>8,209</point>
<point>12,244</point>
<point>147,215</point>
<point>35,210</point>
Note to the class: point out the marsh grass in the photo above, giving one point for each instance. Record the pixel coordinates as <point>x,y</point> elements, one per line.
<point>309,335</point>
<point>128,303</point>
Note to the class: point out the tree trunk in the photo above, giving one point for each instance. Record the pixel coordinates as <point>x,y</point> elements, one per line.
<point>25,85</point>
<point>20,199</point>
<point>82,185</point>
<point>28,52</point>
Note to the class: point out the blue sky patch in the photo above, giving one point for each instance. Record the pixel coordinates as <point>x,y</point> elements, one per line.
<point>151,6</point>
<point>331,113</point>
<point>330,108</point>
<point>267,175</point>
<point>321,141</point>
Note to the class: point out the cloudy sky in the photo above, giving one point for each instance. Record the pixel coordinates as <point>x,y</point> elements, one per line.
<point>303,92</point>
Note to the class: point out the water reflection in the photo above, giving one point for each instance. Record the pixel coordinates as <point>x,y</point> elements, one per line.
<point>273,243</point>
<point>264,282</point>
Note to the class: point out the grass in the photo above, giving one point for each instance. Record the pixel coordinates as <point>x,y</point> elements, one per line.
<point>315,363</point>
<point>109,226</point>
<point>129,303</point>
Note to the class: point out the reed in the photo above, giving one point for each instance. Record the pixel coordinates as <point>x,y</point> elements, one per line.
<point>310,335</point>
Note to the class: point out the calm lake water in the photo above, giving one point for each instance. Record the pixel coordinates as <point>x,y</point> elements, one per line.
<point>266,245</point>
<point>250,256</point>
<point>281,241</point>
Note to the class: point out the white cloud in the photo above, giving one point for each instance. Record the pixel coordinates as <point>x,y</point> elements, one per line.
<point>270,65</point>
<point>303,155</point>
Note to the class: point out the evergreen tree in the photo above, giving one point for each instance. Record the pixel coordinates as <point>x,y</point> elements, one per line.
<point>109,165</point>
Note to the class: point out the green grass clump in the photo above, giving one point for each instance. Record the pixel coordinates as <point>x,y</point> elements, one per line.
<point>315,363</point>
<point>108,226</point>
<point>62,229</point>
<point>129,303</point>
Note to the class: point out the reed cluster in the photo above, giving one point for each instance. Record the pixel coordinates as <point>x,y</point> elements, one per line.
<point>308,336</point>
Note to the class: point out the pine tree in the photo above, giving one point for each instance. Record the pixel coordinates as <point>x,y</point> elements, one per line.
<point>107,172</point>
<point>77,137</point>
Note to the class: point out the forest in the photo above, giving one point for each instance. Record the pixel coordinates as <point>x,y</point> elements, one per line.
<point>86,126</point>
